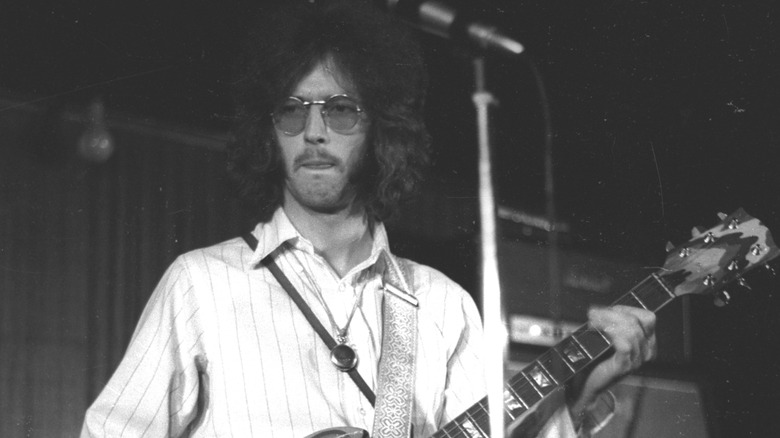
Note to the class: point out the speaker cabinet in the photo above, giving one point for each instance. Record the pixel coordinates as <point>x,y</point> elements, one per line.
<point>585,280</point>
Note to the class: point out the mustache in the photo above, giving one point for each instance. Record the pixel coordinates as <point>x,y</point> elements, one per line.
<point>313,155</point>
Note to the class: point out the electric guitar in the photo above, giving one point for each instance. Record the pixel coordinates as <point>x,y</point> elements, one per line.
<point>705,264</point>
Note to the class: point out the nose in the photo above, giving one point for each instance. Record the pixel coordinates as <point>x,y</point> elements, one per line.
<point>315,132</point>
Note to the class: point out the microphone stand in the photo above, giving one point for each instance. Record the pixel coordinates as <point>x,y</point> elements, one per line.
<point>495,329</point>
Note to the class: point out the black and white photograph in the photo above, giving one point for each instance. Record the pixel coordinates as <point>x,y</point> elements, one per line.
<point>389,219</point>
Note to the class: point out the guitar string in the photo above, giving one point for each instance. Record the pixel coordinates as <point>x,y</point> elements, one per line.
<point>520,381</point>
<point>478,413</point>
<point>444,430</point>
<point>460,420</point>
<point>643,293</point>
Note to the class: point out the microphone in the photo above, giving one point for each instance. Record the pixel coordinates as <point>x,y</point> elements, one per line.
<point>438,18</point>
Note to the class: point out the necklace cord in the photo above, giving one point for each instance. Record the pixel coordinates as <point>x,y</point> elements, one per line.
<point>269,263</point>
<point>341,333</point>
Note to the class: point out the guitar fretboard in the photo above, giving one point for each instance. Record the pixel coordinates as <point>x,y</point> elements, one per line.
<point>556,366</point>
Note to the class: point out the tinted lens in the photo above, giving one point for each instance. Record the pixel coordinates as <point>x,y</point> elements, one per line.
<point>290,117</point>
<point>342,113</point>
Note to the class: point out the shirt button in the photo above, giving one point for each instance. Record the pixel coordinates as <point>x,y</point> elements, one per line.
<point>362,411</point>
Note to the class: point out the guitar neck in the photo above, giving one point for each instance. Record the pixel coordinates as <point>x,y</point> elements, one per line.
<point>556,366</point>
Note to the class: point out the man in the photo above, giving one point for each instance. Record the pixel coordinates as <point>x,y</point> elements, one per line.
<point>329,138</point>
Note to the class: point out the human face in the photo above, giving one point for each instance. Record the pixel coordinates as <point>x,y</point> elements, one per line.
<point>321,164</point>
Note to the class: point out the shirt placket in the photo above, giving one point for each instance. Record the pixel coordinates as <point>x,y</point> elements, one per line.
<point>365,329</point>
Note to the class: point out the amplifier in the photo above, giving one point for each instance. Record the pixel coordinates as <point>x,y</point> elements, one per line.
<point>586,280</point>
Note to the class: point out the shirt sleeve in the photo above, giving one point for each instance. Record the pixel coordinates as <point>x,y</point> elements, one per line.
<point>465,383</point>
<point>154,391</point>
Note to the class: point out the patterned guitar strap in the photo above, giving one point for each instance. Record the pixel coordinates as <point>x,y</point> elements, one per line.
<point>397,365</point>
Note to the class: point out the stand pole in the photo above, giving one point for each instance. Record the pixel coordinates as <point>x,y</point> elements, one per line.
<point>495,329</point>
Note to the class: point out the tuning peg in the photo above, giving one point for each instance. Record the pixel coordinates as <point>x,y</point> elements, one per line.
<point>756,250</point>
<point>722,216</point>
<point>742,282</point>
<point>669,246</point>
<point>709,238</point>
<point>722,298</point>
<point>733,224</point>
<point>696,231</point>
<point>709,280</point>
<point>733,266</point>
<point>771,270</point>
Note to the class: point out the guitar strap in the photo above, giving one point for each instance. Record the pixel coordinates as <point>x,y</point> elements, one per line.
<point>395,398</point>
<point>397,365</point>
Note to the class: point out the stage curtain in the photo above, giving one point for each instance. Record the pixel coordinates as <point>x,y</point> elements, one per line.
<point>83,244</point>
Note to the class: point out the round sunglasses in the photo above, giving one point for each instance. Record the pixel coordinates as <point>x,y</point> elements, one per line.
<point>340,112</point>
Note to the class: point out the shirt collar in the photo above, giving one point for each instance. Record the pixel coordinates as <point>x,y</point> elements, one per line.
<point>272,234</point>
<point>279,230</point>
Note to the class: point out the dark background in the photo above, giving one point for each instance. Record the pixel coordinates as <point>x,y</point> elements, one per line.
<point>663,113</point>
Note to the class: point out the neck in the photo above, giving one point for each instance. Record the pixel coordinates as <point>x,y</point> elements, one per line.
<point>343,238</point>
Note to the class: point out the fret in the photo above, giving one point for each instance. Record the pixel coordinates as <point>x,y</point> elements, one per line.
<point>453,429</point>
<point>532,386</point>
<point>554,364</point>
<point>440,434</point>
<point>654,293</point>
<point>509,392</point>
<point>581,347</point>
<point>663,285</point>
<point>540,378</point>
<point>444,431</point>
<point>632,297</point>
<point>484,418</point>
<point>573,353</point>
<point>458,429</point>
<point>508,418</point>
<point>474,423</point>
<point>512,405</point>
<point>525,391</point>
<point>462,432</point>
<point>471,426</point>
<point>548,377</point>
<point>592,341</point>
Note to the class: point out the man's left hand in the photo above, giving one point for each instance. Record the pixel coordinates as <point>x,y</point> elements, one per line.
<point>632,333</point>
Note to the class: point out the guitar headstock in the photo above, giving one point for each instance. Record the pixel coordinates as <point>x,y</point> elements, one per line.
<point>718,256</point>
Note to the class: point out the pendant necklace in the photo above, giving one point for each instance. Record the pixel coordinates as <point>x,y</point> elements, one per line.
<point>343,356</point>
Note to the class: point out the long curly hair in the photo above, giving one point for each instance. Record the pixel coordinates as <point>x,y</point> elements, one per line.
<point>376,53</point>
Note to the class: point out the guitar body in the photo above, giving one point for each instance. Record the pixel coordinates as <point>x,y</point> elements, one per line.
<point>704,265</point>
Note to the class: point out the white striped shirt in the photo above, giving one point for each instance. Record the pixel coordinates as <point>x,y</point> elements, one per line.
<point>221,350</point>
